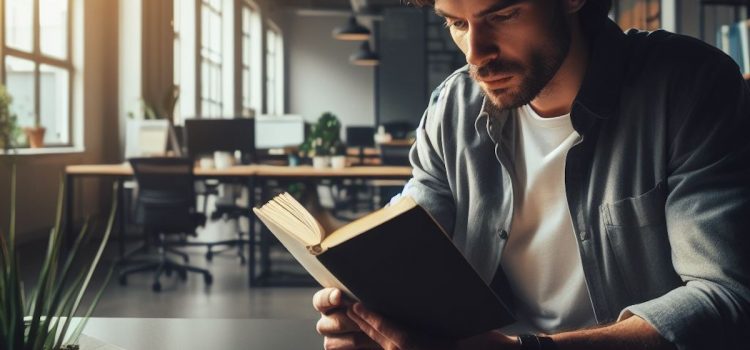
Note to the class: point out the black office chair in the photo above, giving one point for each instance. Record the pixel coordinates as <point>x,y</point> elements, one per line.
<point>165,207</point>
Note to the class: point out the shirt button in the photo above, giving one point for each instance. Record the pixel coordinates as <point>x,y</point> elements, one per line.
<point>582,235</point>
<point>503,234</point>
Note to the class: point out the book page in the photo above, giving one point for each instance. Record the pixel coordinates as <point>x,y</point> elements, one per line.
<point>301,213</point>
<point>294,222</point>
<point>298,249</point>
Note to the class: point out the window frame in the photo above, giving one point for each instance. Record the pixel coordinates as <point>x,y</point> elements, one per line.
<point>278,71</point>
<point>201,60</point>
<point>38,58</point>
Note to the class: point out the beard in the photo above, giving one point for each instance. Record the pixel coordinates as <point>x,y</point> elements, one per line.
<point>540,67</point>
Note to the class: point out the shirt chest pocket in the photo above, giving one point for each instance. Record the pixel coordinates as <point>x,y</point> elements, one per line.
<point>637,234</point>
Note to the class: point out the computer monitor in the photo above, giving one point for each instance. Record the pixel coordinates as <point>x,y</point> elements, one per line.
<point>360,136</point>
<point>274,132</point>
<point>146,138</point>
<point>206,136</point>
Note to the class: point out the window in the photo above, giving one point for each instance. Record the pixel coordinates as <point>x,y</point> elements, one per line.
<point>211,101</point>
<point>38,67</point>
<point>251,59</point>
<point>274,71</point>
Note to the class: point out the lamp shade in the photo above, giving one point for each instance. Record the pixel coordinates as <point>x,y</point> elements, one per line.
<point>352,31</point>
<point>365,56</point>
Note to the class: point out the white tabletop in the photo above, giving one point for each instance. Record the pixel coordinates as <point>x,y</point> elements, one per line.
<point>219,334</point>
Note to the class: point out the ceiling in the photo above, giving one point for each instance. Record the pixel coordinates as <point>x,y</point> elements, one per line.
<point>374,5</point>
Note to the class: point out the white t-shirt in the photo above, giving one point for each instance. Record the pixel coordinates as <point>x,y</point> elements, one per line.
<point>541,258</point>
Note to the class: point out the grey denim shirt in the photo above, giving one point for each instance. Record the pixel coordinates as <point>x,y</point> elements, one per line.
<point>658,187</point>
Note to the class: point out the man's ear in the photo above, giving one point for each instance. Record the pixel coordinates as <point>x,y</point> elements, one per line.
<point>573,6</point>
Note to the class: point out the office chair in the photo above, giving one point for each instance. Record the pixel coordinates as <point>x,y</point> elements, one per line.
<point>165,207</point>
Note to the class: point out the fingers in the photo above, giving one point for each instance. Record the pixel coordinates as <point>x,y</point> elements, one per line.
<point>328,299</point>
<point>336,323</point>
<point>350,341</point>
<point>385,333</point>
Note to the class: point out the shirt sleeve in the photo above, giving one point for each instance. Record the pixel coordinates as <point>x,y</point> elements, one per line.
<point>708,217</point>
<point>429,185</point>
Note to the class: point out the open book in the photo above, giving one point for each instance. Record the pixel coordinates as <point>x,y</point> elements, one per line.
<point>398,261</point>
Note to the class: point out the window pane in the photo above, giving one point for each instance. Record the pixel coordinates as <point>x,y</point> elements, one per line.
<point>20,84</point>
<point>19,19</point>
<point>53,19</point>
<point>54,92</point>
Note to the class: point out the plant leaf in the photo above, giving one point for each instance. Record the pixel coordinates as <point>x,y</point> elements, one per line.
<point>79,329</point>
<point>67,304</point>
<point>92,267</point>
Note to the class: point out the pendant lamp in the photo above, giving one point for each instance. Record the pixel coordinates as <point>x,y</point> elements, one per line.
<point>352,31</point>
<point>365,56</point>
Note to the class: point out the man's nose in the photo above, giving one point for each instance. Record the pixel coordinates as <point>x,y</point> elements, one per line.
<point>481,46</point>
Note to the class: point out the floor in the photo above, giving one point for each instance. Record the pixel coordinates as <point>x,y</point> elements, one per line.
<point>229,296</point>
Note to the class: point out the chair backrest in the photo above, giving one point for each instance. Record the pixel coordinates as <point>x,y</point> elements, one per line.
<point>166,193</point>
<point>394,154</point>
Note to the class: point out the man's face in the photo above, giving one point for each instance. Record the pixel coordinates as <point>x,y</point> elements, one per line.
<point>513,47</point>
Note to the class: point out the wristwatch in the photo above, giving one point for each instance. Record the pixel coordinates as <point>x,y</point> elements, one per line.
<point>534,342</point>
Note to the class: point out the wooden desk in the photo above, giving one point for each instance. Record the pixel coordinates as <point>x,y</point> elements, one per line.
<point>188,334</point>
<point>249,175</point>
<point>268,171</point>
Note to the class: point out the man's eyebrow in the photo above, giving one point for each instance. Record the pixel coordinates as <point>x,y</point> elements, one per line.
<point>497,6</point>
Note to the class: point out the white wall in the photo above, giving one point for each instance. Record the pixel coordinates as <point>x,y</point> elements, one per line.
<point>320,78</point>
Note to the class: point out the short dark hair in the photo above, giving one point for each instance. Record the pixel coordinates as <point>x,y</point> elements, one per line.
<point>592,13</point>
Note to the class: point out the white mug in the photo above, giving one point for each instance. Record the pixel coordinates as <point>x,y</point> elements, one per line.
<point>223,160</point>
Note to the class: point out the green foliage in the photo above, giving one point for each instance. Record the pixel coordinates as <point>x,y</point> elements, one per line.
<point>9,130</point>
<point>324,138</point>
<point>43,321</point>
<point>162,110</point>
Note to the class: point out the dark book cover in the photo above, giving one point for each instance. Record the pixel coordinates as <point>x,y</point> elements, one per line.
<point>409,271</point>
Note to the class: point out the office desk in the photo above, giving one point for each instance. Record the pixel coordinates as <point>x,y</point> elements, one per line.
<point>220,334</point>
<point>250,175</point>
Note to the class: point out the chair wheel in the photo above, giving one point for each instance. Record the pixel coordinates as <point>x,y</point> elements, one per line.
<point>156,287</point>
<point>123,280</point>
<point>208,279</point>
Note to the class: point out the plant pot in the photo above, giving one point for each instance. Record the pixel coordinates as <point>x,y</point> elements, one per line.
<point>338,162</point>
<point>321,162</point>
<point>35,136</point>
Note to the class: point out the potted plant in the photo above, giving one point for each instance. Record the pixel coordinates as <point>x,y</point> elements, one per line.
<point>43,319</point>
<point>35,135</point>
<point>323,140</point>
<point>8,127</point>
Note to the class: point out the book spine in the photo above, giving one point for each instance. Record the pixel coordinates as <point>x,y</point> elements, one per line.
<point>724,39</point>
<point>316,249</point>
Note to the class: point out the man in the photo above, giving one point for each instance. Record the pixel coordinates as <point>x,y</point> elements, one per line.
<point>602,176</point>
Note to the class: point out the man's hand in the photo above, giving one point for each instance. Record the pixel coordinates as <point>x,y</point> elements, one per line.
<point>392,337</point>
<point>339,330</point>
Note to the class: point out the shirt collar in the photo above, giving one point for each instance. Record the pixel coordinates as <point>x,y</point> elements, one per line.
<point>599,95</point>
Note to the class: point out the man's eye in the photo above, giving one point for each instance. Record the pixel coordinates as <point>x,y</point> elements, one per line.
<point>497,17</point>
<point>458,24</point>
